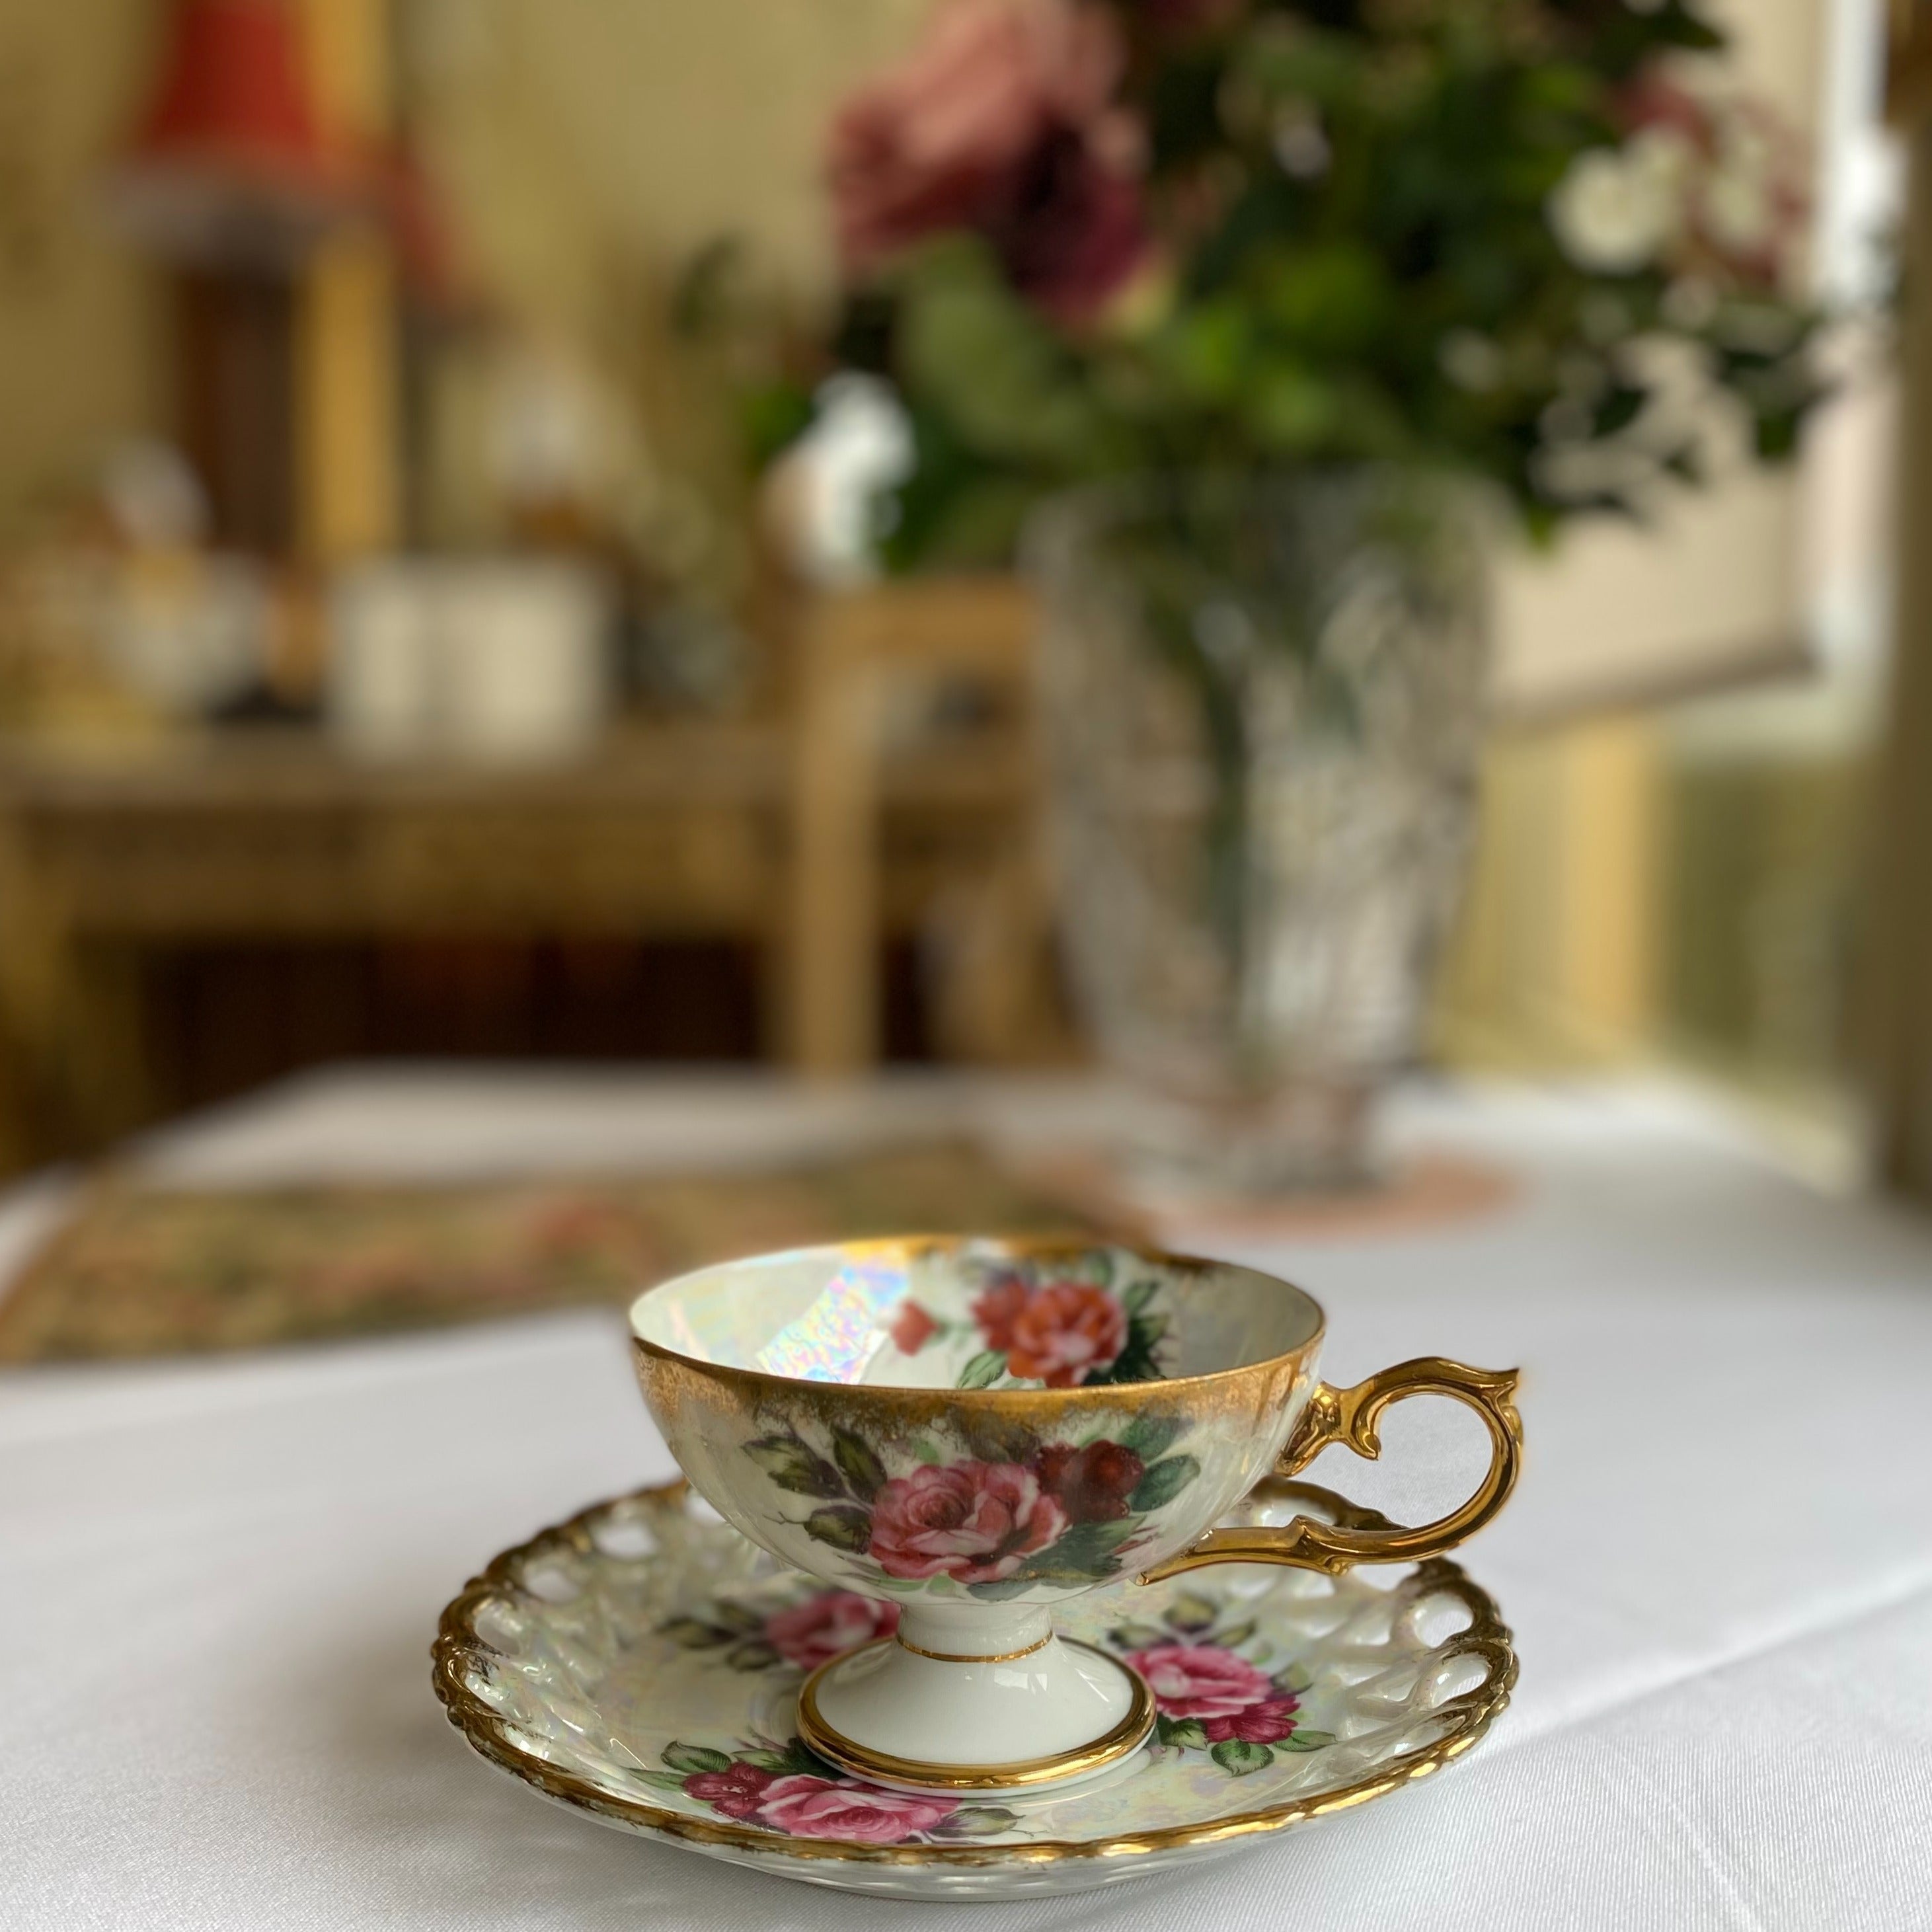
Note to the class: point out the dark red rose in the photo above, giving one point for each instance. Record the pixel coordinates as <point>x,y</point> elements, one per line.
<point>1093,1484</point>
<point>1073,231</point>
<point>1003,122</point>
<point>1266,1724</point>
<point>1189,16</point>
<point>736,1792</point>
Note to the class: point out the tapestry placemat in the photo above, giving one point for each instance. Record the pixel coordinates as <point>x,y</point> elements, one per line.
<point>139,1270</point>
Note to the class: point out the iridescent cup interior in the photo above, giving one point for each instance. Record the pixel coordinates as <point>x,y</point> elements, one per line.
<point>976,1313</point>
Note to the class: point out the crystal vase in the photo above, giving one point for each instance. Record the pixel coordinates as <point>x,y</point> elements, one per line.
<point>1264,706</point>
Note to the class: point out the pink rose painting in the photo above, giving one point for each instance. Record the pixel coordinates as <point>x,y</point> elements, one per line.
<point>974,1522</point>
<point>821,1807</point>
<point>1210,1697</point>
<point>1201,1680</point>
<point>1003,122</point>
<point>827,1625</point>
<point>782,1787</point>
<point>1059,1333</point>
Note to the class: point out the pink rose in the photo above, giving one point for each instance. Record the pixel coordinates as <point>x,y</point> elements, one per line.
<point>736,1792</point>
<point>815,1807</point>
<point>1058,1334</point>
<point>977,1522</point>
<point>1259,1724</point>
<point>1001,122</point>
<point>1201,1680</point>
<point>825,1626</point>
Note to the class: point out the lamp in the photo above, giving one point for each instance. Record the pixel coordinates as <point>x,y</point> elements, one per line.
<point>230,165</point>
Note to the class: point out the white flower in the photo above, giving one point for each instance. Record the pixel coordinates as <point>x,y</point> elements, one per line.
<point>835,477</point>
<point>1615,208</point>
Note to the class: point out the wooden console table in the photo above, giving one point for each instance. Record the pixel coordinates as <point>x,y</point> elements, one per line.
<point>804,836</point>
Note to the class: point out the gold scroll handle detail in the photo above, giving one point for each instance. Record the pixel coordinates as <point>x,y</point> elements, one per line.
<point>1349,1416</point>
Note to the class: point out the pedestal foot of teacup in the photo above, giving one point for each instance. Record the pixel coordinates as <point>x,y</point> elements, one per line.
<point>1046,1711</point>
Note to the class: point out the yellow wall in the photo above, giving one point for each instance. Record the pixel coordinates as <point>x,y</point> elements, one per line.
<point>83,321</point>
<point>579,136</point>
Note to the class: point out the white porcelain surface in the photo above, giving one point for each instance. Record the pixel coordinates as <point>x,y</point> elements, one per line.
<point>1054,1700</point>
<point>642,1663</point>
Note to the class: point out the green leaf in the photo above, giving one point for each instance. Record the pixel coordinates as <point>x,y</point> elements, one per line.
<point>1149,1436</point>
<point>1237,1756</point>
<point>978,1821</point>
<point>1086,1553</point>
<point>967,343</point>
<point>792,1466</point>
<point>739,1617</point>
<point>792,1756</point>
<point>984,1368</point>
<point>692,1634</point>
<point>1163,1483</point>
<point>1000,1591</point>
<point>1185,1732</point>
<point>694,1757</point>
<point>1137,1297</point>
<point>994,1438</point>
<point>755,1655</point>
<point>1101,1264</point>
<point>843,1527</point>
<point>662,1780</point>
<point>1288,407</point>
<point>1192,1614</point>
<point>857,1463</point>
<point>1301,1740</point>
<point>929,1452</point>
<point>1137,1361</point>
<point>1294,1680</point>
<point>1232,1640</point>
<point>1135,1636</point>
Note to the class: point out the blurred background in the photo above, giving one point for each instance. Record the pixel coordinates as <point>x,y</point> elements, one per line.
<point>507,527</point>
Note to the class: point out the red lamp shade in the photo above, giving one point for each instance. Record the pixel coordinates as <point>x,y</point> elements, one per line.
<point>229,163</point>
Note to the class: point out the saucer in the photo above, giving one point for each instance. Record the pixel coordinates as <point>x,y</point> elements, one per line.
<point>642,1662</point>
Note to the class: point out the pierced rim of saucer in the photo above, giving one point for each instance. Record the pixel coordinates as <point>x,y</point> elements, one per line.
<point>1119,1740</point>
<point>1465,1717</point>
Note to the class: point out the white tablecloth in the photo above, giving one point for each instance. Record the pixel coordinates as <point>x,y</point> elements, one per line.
<point>218,1580</point>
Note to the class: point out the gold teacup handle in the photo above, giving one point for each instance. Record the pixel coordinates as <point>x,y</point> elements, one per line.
<point>1348,1416</point>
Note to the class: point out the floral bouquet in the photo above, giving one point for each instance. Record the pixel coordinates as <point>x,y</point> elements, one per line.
<point>1526,240</point>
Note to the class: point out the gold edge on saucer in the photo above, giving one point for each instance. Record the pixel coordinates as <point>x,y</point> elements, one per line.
<point>1467,1717</point>
<point>1120,1740</point>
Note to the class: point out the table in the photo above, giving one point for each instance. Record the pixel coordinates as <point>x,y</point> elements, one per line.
<point>1718,1566</point>
<point>810,837</point>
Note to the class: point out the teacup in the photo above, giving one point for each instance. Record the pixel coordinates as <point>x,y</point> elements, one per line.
<point>977,1428</point>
